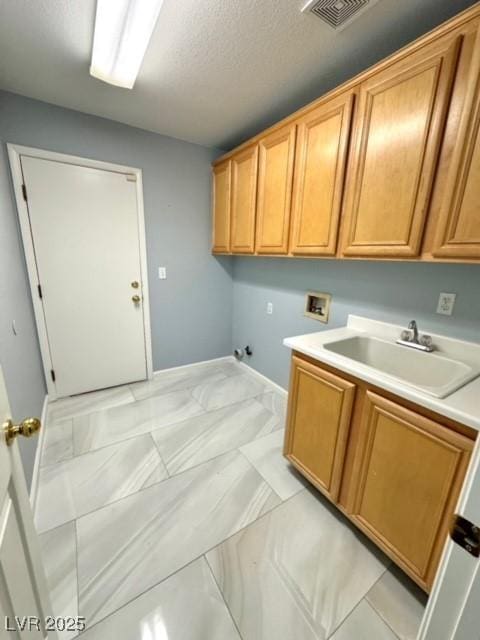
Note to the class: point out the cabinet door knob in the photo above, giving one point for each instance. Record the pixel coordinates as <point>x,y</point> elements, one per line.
<point>136,299</point>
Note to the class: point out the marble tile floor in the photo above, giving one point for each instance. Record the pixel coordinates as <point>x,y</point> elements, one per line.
<point>166,510</point>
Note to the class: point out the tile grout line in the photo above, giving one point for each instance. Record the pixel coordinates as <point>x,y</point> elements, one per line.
<point>170,424</point>
<point>379,614</point>
<point>369,604</point>
<point>262,476</point>
<point>256,397</point>
<point>128,387</point>
<point>364,597</point>
<point>156,448</point>
<point>113,406</point>
<point>267,513</point>
<point>139,595</point>
<point>150,397</point>
<point>218,455</point>
<point>222,595</point>
<point>159,482</point>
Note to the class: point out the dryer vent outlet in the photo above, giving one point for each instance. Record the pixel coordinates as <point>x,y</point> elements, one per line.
<point>338,14</point>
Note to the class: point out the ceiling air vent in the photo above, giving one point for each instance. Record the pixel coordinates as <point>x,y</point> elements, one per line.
<point>338,14</point>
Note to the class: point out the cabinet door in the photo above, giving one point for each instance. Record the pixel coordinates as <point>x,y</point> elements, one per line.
<point>399,127</point>
<point>321,152</point>
<point>320,406</point>
<point>458,231</point>
<point>275,175</point>
<point>221,208</point>
<point>244,200</point>
<point>408,478</point>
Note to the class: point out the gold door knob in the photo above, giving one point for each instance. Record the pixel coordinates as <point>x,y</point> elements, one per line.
<point>135,284</point>
<point>136,299</point>
<point>26,428</point>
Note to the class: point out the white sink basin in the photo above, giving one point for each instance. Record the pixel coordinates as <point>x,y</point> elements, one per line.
<point>431,373</point>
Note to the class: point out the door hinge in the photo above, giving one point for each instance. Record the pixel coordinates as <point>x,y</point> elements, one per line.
<point>24,192</point>
<point>40,295</point>
<point>466,534</point>
<point>52,373</point>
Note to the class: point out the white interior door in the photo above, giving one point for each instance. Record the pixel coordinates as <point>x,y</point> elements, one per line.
<point>453,611</point>
<point>85,232</point>
<point>24,600</point>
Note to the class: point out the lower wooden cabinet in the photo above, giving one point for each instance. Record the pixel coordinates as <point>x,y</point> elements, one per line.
<point>319,421</point>
<point>409,473</point>
<point>402,470</point>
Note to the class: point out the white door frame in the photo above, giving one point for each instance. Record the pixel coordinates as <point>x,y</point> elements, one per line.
<point>14,153</point>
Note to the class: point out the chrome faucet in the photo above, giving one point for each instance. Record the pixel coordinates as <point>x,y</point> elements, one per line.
<point>412,338</point>
<point>412,325</point>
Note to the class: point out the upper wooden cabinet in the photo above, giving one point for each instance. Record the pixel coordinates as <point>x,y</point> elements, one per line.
<point>458,230</point>
<point>387,166</point>
<point>318,424</point>
<point>397,136</point>
<point>244,200</point>
<point>221,207</point>
<point>321,153</point>
<point>275,175</point>
<point>409,474</point>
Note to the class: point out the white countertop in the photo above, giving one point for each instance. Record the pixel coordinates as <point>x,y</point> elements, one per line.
<point>462,405</point>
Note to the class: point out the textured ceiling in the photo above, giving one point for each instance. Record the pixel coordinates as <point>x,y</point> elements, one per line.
<point>216,71</point>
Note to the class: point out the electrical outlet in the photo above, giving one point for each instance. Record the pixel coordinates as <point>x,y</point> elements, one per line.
<point>269,308</point>
<point>162,273</point>
<point>446,302</point>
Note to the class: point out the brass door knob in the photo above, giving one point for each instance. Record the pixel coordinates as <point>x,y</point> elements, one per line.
<point>136,299</point>
<point>135,284</point>
<point>26,428</point>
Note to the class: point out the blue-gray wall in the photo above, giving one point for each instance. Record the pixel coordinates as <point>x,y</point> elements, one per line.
<point>391,291</point>
<point>190,311</point>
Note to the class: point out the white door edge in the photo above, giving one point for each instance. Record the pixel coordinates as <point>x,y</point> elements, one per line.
<point>38,453</point>
<point>436,602</point>
<point>14,153</point>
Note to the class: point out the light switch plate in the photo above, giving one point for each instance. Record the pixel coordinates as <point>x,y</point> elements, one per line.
<point>446,303</point>
<point>162,273</point>
<point>269,308</point>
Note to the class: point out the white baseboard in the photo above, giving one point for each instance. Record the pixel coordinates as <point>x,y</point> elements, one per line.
<point>276,387</point>
<point>38,454</point>
<point>195,364</point>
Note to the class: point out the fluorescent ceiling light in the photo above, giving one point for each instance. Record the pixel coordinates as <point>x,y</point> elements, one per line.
<point>123,29</point>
